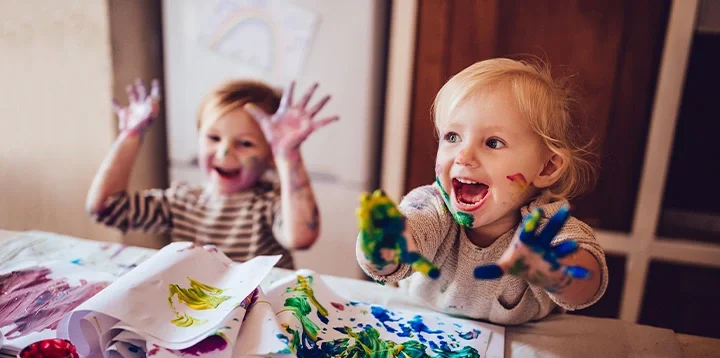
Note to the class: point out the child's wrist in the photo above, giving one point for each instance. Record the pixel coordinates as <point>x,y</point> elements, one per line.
<point>131,134</point>
<point>287,157</point>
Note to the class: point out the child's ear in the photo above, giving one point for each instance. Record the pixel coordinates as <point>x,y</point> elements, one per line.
<point>554,167</point>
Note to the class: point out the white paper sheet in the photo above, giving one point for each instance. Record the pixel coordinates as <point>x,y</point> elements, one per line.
<point>200,289</point>
<point>316,322</point>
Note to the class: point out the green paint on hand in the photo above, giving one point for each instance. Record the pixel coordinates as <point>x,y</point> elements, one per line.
<point>381,230</point>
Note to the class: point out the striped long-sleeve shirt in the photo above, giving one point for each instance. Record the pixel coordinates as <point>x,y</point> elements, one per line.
<point>242,225</point>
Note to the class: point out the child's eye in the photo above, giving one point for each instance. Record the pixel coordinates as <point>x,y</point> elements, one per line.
<point>452,137</point>
<point>213,138</point>
<point>245,144</point>
<point>495,143</point>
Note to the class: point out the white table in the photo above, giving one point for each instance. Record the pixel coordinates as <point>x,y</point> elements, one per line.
<point>560,335</point>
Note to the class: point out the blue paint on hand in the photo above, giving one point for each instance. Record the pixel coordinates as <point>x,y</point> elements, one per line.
<point>488,272</point>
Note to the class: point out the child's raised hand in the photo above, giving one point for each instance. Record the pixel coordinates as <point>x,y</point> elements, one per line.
<point>381,235</point>
<point>292,123</point>
<point>136,118</point>
<point>531,256</point>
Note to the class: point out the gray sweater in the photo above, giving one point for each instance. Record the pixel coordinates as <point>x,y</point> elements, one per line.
<point>509,300</point>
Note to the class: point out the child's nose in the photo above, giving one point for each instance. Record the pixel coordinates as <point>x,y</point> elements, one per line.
<point>223,151</point>
<point>466,158</point>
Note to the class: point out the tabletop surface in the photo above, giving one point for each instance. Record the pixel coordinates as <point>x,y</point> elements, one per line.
<point>559,335</point>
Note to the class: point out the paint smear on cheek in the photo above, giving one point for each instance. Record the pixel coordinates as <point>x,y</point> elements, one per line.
<point>438,169</point>
<point>35,302</point>
<point>519,181</point>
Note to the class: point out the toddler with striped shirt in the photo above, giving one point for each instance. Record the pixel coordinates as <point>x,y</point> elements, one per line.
<point>245,130</point>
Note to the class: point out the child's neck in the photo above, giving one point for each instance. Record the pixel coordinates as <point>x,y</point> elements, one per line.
<point>484,236</point>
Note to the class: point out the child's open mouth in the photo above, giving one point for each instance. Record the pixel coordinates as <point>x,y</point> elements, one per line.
<point>469,194</point>
<point>227,173</point>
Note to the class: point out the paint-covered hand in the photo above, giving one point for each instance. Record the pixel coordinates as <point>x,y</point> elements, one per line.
<point>136,118</point>
<point>532,257</point>
<point>292,123</point>
<point>381,235</point>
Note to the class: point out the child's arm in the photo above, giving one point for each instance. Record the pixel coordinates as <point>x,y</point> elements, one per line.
<point>114,173</point>
<point>571,274</point>
<point>285,131</point>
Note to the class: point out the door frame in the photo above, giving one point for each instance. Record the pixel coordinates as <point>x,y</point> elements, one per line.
<point>639,246</point>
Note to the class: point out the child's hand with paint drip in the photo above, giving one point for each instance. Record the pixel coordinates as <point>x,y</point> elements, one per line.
<point>292,124</point>
<point>285,131</point>
<point>383,237</point>
<point>136,118</point>
<point>532,257</point>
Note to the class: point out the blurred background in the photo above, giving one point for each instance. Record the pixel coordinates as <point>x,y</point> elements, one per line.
<point>648,68</point>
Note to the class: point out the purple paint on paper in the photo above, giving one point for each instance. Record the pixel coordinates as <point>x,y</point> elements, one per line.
<point>34,302</point>
<point>212,343</point>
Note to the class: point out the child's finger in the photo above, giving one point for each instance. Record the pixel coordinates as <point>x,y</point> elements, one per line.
<point>319,106</point>
<point>256,112</point>
<point>116,107</point>
<point>420,264</point>
<point>565,248</point>
<point>155,90</point>
<point>132,96</point>
<point>140,89</point>
<point>323,122</point>
<point>286,100</point>
<point>553,226</point>
<point>577,272</point>
<point>488,272</point>
<point>529,225</point>
<point>306,98</point>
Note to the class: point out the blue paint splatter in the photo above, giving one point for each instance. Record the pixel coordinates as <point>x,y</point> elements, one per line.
<point>419,326</point>
<point>322,318</point>
<point>384,316</point>
<point>76,262</point>
<point>469,335</point>
<point>236,320</point>
<point>282,338</point>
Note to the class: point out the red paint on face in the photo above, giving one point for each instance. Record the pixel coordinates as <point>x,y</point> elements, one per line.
<point>519,181</point>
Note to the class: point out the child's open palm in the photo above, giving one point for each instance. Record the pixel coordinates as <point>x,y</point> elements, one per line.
<point>532,257</point>
<point>381,235</point>
<point>142,109</point>
<point>292,123</point>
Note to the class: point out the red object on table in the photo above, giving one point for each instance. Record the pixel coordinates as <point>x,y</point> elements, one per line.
<point>50,348</point>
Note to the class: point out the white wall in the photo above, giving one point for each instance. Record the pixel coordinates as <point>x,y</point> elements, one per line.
<point>57,81</point>
<point>55,85</point>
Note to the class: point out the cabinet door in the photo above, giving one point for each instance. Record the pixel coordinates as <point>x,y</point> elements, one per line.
<point>614,46</point>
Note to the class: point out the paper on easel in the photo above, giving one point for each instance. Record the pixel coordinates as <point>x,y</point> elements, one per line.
<point>272,36</point>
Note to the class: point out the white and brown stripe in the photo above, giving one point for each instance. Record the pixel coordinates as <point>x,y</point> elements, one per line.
<point>242,225</point>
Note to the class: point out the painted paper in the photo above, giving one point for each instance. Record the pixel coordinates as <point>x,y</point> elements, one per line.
<point>179,298</point>
<point>33,298</point>
<point>316,322</point>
